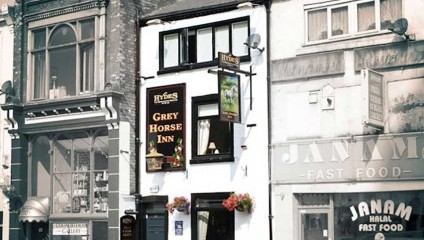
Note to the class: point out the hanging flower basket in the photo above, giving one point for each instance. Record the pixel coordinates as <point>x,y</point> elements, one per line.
<point>240,202</point>
<point>181,204</point>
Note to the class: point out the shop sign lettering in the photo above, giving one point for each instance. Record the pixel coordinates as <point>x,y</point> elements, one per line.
<point>381,216</point>
<point>359,158</point>
<point>165,128</point>
<point>79,229</point>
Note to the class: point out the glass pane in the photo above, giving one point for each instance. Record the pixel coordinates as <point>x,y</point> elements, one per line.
<point>366,16</point>
<point>82,149</point>
<point>62,72</point>
<point>62,35</point>
<point>101,153</point>
<point>40,169</point>
<point>215,224</point>
<point>314,199</point>
<point>62,155</point>
<point>239,37</point>
<point>87,67</point>
<point>222,40</point>
<point>204,45</point>
<point>315,226</point>
<point>390,11</point>
<point>87,29</point>
<point>317,25</point>
<point>39,39</point>
<point>214,137</point>
<point>208,110</point>
<point>339,20</point>
<point>62,193</point>
<point>39,74</point>
<point>81,192</point>
<point>170,50</point>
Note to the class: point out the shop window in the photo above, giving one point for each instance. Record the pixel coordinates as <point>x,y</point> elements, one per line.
<point>210,220</point>
<point>62,60</point>
<point>100,230</point>
<point>374,215</point>
<point>198,46</point>
<point>40,167</point>
<point>80,176</point>
<point>212,138</point>
<point>333,20</point>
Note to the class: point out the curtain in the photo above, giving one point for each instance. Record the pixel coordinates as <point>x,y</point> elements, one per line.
<point>202,224</point>
<point>39,74</point>
<point>203,136</point>
<point>366,16</point>
<point>317,25</point>
<point>170,50</point>
<point>339,20</point>
<point>222,36</point>
<point>390,11</point>
<point>239,37</point>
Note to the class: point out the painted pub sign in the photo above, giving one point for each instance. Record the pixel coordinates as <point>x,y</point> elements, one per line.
<point>229,97</point>
<point>165,128</point>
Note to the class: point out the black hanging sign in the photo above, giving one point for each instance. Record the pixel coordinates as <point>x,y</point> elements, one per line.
<point>127,227</point>
<point>229,97</point>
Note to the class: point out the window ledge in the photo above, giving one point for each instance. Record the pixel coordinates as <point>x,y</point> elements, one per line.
<point>356,41</point>
<point>71,216</point>
<point>211,159</point>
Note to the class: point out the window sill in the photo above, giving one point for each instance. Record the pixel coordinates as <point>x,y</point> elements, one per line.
<point>212,159</point>
<point>71,216</point>
<point>349,42</point>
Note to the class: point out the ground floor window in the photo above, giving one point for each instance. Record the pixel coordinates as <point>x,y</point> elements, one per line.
<point>355,216</point>
<point>210,220</point>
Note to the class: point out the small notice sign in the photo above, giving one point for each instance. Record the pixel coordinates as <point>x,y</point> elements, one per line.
<point>372,88</point>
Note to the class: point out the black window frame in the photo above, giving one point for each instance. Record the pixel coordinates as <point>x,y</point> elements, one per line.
<point>184,32</point>
<point>217,196</point>
<point>199,159</point>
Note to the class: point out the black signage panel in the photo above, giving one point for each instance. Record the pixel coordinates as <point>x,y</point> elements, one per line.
<point>127,227</point>
<point>228,61</point>
<point>165,128</point>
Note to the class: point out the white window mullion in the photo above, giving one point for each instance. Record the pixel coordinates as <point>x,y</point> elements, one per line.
<point>329,23</point>
<point>377,15</point>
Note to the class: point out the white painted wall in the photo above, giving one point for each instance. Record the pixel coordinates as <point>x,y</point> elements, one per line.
<point>6,73</point>
<point>215,177</point>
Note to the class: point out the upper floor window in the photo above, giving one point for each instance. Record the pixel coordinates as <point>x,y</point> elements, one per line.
<point>212,138</point>
<point>198,46</point>
<point>63,60</point>
<point>347,19</point>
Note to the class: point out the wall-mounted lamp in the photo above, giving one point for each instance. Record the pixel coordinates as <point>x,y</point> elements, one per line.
<point>246,5</point>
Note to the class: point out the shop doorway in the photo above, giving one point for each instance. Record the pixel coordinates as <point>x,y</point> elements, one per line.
<point>39,230</point>
<point>315,224</point>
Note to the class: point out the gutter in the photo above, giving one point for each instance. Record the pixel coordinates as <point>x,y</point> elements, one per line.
<point>268,44</point>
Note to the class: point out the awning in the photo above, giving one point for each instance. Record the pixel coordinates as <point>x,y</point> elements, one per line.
<point>35,209</point>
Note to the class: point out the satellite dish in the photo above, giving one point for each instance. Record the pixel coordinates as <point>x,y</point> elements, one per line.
<point>253,41</point>
<point>399,27</point>
<point>6,88</point>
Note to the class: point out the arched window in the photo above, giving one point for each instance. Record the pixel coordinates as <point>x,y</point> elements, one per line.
<point>63,60</point>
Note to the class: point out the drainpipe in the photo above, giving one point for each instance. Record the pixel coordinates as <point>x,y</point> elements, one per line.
<point>268,44</point>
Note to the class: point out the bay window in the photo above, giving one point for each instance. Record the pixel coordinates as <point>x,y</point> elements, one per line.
<point>198,46</point>
<point>79,176</point>
<point>350,18</point>
<point>62,60</point>
<point>212,138</point>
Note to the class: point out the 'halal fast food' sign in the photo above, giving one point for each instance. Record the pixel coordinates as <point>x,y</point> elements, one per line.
<point>165,128</point>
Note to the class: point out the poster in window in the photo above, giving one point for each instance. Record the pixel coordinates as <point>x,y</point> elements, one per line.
<point>165,128</point>
<point>229,96</point>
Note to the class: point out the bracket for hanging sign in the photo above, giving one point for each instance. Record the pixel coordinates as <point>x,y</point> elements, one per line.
<point>229,62</point>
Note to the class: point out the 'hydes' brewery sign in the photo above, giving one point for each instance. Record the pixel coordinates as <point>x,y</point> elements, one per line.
<point>365,158</point>
<point>229,61</point>
<point>165,128</point>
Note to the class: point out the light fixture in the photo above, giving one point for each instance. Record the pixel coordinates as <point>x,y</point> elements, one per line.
<point>212,147</point>
<point>246,5</point>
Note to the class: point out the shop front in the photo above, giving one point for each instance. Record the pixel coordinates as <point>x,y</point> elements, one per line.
<point>362,187</point>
